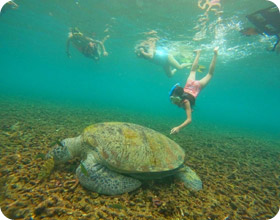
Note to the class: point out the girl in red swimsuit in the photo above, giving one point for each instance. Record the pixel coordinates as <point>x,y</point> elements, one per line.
<point>185,97</point>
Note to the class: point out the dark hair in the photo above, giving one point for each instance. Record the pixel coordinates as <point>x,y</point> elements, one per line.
<point>91,52</point>
<point>178,91</point>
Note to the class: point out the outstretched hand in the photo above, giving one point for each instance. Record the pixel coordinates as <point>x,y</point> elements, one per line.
<point>175,130</point>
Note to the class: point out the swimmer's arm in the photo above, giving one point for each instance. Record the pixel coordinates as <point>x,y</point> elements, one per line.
<point>149,55</point>
<point>188,110</point>
<point>90,39</point>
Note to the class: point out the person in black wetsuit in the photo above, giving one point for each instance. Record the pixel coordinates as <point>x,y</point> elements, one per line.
<point>87,46</point>
<point>266,21</point>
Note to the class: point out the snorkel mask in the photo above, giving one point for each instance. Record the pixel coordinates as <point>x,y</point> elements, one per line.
<point>175,99</point>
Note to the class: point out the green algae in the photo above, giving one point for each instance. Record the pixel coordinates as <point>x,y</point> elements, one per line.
<point>40,155</point>
<point>46,169</point>
<point>117,206</point>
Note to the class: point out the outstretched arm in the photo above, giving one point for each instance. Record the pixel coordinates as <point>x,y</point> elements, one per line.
<point>188,110</point>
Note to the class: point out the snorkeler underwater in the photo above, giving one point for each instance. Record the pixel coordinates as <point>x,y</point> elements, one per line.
<point>140,109</point>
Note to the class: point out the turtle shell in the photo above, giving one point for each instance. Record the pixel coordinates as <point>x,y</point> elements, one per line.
<point>132,148</point>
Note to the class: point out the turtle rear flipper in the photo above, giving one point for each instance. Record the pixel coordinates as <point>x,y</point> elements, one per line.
<point>189,178</point>
<point>104,181</point>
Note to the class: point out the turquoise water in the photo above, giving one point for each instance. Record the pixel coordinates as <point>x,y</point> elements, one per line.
<point>243,94</point>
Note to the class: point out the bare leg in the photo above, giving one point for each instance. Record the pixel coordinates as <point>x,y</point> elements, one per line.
<point>194,66</point>
<point>205,80</point>
<point>174,63</point>
<point>169,72</point>
<point>105,38</point>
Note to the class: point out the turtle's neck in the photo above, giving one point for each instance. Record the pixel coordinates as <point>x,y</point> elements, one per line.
<point>74,145</point>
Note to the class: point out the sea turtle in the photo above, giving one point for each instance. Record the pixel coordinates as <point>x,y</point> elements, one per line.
<point>116,156</point>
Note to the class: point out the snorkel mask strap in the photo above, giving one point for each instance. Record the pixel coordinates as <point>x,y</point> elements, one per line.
<point>172,89</point>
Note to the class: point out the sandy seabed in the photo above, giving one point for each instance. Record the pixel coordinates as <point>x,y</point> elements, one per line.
<point>240,173</point>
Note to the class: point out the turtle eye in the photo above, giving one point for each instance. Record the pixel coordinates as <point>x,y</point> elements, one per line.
<point>61,143</point>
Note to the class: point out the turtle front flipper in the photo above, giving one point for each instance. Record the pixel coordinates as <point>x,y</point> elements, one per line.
<point>189,178</point>
<point>100,179</point>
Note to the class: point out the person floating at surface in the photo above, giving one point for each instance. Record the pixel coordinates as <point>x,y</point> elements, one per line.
<point>185,97</point>
<point>209,5</point>
<point>254,31</point>
<point>148,49</point>
<point>202,23</point>
<point>250,31</point>
<point>87,46</point>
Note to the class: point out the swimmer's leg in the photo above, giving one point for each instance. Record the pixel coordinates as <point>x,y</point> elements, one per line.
<point>194,65</point>
<point>205,80</point>
<point>168,71</point>
<point>105,38</point>
<point>174,63</point>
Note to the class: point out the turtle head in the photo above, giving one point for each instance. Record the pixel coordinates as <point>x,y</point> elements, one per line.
<point>59,152</point>
<point>65,150</point>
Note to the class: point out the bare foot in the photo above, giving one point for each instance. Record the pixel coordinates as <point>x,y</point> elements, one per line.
<point>216,50</point>
<point>173,72</point>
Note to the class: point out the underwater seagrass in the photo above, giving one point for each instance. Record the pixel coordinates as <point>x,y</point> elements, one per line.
<point>46,169</point>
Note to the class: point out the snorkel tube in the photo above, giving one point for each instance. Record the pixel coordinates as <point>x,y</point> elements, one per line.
<point>174,99</point>
<point>172,89</point>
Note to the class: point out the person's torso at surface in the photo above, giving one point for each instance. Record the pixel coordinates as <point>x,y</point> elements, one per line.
<point>160,56</point>
<point>192,87</point>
